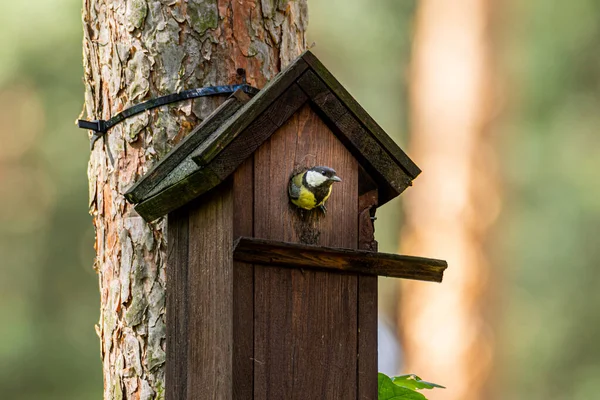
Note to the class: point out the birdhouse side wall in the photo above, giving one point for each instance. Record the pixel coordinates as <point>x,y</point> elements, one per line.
<point>200,298</point>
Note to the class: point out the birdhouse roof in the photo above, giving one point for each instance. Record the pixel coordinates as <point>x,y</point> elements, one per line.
<point>235,130</point>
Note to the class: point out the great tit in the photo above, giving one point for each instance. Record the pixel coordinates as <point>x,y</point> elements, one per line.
<point>311,188</point>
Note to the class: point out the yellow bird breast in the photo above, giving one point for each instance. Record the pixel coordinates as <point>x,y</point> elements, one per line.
<point>307,199</point>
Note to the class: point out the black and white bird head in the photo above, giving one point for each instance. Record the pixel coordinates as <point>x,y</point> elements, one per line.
<point>319,176</point>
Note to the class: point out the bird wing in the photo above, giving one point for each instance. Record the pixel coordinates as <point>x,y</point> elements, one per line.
<point>294,187</point>
<point>325,197</point>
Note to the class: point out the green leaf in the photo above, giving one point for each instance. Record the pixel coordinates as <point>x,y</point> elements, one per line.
<point>389,391</point>
<point>412,381</point>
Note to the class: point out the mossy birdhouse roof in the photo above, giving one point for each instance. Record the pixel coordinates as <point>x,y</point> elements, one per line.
<point>235,130</point>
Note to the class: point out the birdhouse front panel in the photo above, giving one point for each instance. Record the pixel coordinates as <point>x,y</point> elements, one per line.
<point>316,356</point>
<point>305,141</point>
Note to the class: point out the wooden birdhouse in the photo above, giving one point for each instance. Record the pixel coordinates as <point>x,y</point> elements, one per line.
<point>266,300</point>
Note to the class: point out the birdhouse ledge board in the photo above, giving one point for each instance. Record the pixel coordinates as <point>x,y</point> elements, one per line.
<point>272,263</point>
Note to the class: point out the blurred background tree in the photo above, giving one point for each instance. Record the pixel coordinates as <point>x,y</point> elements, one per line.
<point>543,249</point>
<point>546,244</point>
<point>445,331</point>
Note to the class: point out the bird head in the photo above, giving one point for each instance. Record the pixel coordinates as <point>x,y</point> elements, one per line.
<point>321,176</point>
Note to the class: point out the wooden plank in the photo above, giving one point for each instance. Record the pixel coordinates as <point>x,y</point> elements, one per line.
<point>240,121</point>
<point>198,182</point>
<point>356,109</point>
<point>305,321</point>
<point>181,193</point>
<point>177,306</point>
<point>366,230</point>
<point>242,147</point>
<point>365,184</point>
<point>367,293</point>
<point>158,172</point>
<point>305,335</point>
<point>243,286</point>
<point>210,296</point>
<point>294,255</point>
<point>364,146</point>
<point>258,131</point>
<point>303,142</point>
<point>367,338</point>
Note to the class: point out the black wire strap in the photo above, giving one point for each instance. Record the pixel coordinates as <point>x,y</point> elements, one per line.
<point>100,127</point>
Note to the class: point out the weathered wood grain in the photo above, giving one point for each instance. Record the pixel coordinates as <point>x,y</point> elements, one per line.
<point>258,131</point>
<point>181,193</point>
<point>177,306</point>
<point>158,172</point>
<point>364,146</point>
<point>261,102</point>
<point>367,292</point>
<point>243,286</point>
<point>303,142</point>
<point>294,255</point>
<point>225,163</point>
<point>305,335</point>
<point>210,296</point>
<point>305,321</point>
<point>228,138</point>
<point>356,109</point>
<point>233,132</point>
<point>367,338</point>
<point>367,204</point>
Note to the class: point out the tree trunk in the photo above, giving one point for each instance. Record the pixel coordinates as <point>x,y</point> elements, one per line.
<point>135,50</point>
<point>443,327</point>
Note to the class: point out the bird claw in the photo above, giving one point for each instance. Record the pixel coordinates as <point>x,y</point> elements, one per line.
<point>323,209</point>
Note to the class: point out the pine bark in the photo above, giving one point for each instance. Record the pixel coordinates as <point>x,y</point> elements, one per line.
<point>445,328</point>
<point>134,50</point>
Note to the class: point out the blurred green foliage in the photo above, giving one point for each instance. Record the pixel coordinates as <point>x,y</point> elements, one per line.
<point>388,390</point>
<point>545,249</point>
<point>48,289</point>
<point>548,241</point>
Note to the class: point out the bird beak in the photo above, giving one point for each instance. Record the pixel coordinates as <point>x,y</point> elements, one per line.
<point>335,178</point>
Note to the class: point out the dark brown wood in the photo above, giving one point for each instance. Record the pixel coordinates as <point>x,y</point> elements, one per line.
<point>367,204</point>
<point>177,306</point>
<point>305,320</point>
<point>243,286</point>
<point>365,184</point>
<point>163,168</point>
<point>261,102</point>
<point>356,109</point>
<point>223,142</point>
<point>181,193</point>
<point>258,131</point>
<point>305,338</point>
<point>191,182</point>
<point>303,142</point>
<point>370,153</point>
<point>367,337</point>
<point>294,255</point>
<point>367,292</point>
<point>210,296</point>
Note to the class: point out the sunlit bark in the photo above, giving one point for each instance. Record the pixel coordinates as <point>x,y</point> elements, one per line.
<point>135,50</point>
